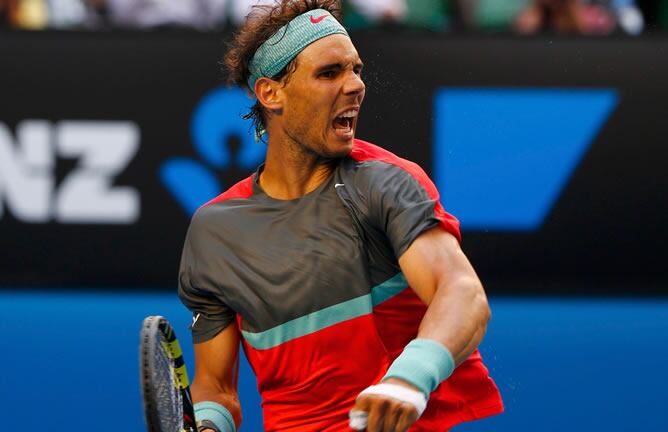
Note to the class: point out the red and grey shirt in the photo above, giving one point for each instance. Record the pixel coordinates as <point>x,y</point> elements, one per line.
<point>316,290</point>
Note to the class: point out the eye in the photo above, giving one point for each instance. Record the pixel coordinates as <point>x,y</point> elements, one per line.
<point>328,74</point>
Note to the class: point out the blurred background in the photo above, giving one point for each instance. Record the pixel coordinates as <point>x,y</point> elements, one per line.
<point>542,122</point>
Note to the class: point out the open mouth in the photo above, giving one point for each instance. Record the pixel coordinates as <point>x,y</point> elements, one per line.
<point>343,124</point>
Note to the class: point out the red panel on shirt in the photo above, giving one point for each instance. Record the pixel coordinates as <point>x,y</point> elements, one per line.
<point>468,394</point>
<point>310,383</point>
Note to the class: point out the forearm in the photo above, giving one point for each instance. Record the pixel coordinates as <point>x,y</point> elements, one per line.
<point>457,316</point>
<point>216,374</point>
<point>457,313</point>
<point>451,329</point>
<point>210,390</point>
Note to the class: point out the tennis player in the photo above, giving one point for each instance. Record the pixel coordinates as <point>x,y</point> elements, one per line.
<point>334,265</point>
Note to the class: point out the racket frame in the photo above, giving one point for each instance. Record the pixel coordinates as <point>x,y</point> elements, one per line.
<point>169,344</point>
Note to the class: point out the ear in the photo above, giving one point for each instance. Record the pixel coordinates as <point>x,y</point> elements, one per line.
<point>268,94</point>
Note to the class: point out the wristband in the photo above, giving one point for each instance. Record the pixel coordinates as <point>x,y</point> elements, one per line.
<point>216,414</point>
<point>424,363</point>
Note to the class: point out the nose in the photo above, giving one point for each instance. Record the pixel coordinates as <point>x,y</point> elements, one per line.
<point>353,84</point>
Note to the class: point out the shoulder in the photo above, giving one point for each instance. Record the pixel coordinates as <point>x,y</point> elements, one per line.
<point>385,180</point>
<point>374,164</point>
<point>217,207</point>
<point>364,151</point>
<point>242,189</point>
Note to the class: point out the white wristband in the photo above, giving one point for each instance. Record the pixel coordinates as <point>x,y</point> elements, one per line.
<point>359,419</point>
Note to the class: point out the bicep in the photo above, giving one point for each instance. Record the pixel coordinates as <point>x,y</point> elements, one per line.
<point>432,260</point>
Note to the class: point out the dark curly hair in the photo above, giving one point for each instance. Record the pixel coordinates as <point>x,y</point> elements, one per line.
<point>262,22</point>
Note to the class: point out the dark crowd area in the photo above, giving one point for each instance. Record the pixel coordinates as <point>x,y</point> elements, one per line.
<point>524,17</point>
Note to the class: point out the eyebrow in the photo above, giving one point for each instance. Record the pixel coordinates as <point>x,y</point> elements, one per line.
<point>339,66</point>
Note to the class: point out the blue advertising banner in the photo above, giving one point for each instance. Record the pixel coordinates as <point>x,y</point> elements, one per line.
<point>550,152</point>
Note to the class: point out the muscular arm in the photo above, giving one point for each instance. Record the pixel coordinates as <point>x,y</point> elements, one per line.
<point>441,275</point>
<point>217,371</point>
<point>457,315</point>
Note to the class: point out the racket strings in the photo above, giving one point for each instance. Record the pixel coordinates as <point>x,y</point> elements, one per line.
<point>170,405</point>
<point>162,395</point>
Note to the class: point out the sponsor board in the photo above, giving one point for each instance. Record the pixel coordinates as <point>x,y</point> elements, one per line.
<point>557,173</point>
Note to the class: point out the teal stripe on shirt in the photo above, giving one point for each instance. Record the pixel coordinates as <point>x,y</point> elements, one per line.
<point>388,289</point>
<point>327,317</point>
<point>310,323</point>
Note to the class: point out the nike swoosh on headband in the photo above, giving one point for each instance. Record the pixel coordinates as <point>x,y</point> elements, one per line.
<point>317,20</point>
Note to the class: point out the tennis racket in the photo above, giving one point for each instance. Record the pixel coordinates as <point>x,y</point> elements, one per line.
<point>165,388</point>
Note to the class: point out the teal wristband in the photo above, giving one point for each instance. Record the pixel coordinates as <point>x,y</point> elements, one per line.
<point>216,414</point>
<point>424,363</point>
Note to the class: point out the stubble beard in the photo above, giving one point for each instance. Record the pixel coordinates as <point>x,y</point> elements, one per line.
<point>300,149</point>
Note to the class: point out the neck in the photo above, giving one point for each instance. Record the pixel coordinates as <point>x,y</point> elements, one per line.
<point>291,171</point>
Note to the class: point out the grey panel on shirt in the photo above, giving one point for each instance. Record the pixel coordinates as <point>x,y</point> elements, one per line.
<point>392,207</point>
<point>198,289</point>
<point>272,261</point>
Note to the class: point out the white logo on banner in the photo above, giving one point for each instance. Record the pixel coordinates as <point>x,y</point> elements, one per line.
<point>86,195</point>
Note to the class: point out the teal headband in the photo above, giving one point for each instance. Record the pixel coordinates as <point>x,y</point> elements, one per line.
<point>289,41</point>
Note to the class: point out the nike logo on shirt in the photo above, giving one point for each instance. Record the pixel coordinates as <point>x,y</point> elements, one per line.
<point>195,318</point>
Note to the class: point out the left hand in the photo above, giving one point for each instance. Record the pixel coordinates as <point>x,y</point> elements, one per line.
<point>386,414</point>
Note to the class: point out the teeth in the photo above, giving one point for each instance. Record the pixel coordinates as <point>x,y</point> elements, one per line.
<point>347,119</point>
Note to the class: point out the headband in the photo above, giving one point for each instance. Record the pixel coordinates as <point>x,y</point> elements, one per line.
<point>284,45</point>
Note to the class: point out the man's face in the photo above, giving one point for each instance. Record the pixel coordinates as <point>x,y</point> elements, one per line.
<point>322,97</point>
